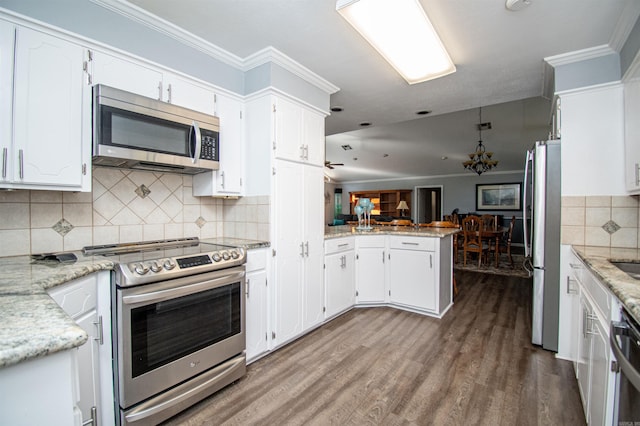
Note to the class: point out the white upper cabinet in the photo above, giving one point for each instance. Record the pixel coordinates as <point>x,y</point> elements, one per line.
<point>227,180</point>
<point>299,133</point>
<point>51,145</point>
<point>632,135</point>
<point>187,93</point>
<point>146,80</point>
<point>7,43</point>
<point>126,75</point>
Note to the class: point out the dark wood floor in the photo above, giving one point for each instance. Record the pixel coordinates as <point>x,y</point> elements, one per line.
<point>384,366</point>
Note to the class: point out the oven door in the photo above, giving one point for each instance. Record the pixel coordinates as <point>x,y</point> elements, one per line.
<point>171,331</point>
<point>625,344</point>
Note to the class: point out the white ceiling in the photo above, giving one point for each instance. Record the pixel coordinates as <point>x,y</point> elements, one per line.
<point>498,54</point>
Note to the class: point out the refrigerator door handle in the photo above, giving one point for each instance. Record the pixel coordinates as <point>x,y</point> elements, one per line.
<point>527,247</point>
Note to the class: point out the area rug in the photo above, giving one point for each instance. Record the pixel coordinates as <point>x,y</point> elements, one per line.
<point>504,268</point>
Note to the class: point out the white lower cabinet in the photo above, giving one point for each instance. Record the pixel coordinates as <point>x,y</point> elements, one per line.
<point>256,307</point>
<point>411,272</point>
<point>596,308</point>
<point>370,269</point>
<point>339,276</point>
<point>87,302</point>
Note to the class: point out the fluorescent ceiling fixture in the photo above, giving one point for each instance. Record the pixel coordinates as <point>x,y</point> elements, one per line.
<point>402,33</point>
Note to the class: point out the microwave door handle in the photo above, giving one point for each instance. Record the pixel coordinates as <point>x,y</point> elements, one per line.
<point>195,152</point>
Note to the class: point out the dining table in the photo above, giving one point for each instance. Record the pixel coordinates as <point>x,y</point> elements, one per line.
<point>495,233</point>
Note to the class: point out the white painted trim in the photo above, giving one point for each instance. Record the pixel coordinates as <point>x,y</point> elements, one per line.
<point>167,28</point>
<point>594,88</point>
<point>273,55</point>
<point>625,25</point>
<point>579,55</point>
<point>633,72</point>
<point>267,91</point>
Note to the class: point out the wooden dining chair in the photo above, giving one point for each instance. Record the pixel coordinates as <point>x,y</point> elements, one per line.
<point>472,232</point>
<point>505,243</point>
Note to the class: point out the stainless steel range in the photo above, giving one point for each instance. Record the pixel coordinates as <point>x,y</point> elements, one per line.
<point>178,324</point>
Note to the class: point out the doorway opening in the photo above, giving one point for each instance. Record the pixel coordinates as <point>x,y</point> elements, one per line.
<point>428,203</point>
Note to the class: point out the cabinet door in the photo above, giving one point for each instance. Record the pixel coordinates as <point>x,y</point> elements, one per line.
<point>411,278</point>
<point>599,374</point>
<point>313,237</point>
<point>584,354</point>
<point>313,137</point>
<point>288,131</point>
<point>180,91</point>
<point>88,366</point>
<point>339,282</point>
<point>289,246</point>
<point>229,176</point>
<point>7,40</point>
<point>48,111</point>
<point>256,313</point>
<point>632,135</point>
<point>126,75</point>
<point>370,274</point>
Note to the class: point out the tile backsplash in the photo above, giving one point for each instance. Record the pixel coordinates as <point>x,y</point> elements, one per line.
<point>603,221</point>
<point>124,206</point>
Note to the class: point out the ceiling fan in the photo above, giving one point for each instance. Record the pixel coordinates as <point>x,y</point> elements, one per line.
<point>330,165</point>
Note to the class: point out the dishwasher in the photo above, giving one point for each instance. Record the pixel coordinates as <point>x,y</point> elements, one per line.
<point>625,344</point>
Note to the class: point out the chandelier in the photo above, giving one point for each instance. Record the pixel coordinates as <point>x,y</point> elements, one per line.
<point>480,161</point>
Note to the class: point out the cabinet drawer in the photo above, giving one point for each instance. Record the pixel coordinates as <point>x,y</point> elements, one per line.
<point>599,294</point>
<point>338,245</point>
<point>76,297</point>
<point>371,241</point>
<point>413,243</point>
<point>256,260</point>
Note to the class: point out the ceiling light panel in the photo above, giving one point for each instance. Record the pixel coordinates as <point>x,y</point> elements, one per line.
<point>402,33</point>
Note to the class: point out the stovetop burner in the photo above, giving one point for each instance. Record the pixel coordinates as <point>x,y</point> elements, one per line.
<point>150,261</point>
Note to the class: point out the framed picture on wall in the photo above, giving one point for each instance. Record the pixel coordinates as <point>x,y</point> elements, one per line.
<point>499,196</point>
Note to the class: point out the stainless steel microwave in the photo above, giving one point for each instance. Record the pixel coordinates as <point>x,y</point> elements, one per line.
<point>135,132</point>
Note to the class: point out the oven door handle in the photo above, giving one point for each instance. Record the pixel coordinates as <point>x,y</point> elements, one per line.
<point>622,329</point>
<point>185,290</point>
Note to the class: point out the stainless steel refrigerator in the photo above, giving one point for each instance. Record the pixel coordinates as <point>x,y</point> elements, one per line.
<point>541,217</point>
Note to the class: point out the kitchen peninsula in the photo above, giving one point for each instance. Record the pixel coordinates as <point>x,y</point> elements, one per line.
<point>406,267</point>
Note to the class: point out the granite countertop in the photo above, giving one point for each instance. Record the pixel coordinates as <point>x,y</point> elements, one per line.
<point>33,325</point>
<point>623,286</point>
<point>348,230</point>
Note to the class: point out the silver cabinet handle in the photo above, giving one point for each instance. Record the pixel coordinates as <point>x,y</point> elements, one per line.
<point>306,249</point>
<point>306,152</point>
<point>21,162</point>
<point>169,93</point>
<point>590,321</point>
<point>637,174</point>
<point>100,337</point>
<point>222,177</point>
<point>382,256</point>
<point>343,245</point>
<point>409,244</point>
<point>4,162</point>
<point>431,261</point>
<point>302,152</point>
<point>301,249</point>
<point>247,288</point>
<point>160,90</point>
<point>570,288</point>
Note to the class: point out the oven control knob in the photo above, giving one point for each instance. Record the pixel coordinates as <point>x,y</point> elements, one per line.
<point>169,264</point>
<point>216,257</point>
<point>140,268</point>
<point>225,255</point>
<point>155,266</point>
<point>234,254</point>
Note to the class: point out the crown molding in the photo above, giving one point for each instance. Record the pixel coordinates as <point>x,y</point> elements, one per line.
<point>404,178</point>
<point>625,25</point>
<point>269,54</point>
<point>579,55</point>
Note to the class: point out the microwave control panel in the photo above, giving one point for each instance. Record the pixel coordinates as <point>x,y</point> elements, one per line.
<point>209,149</point>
